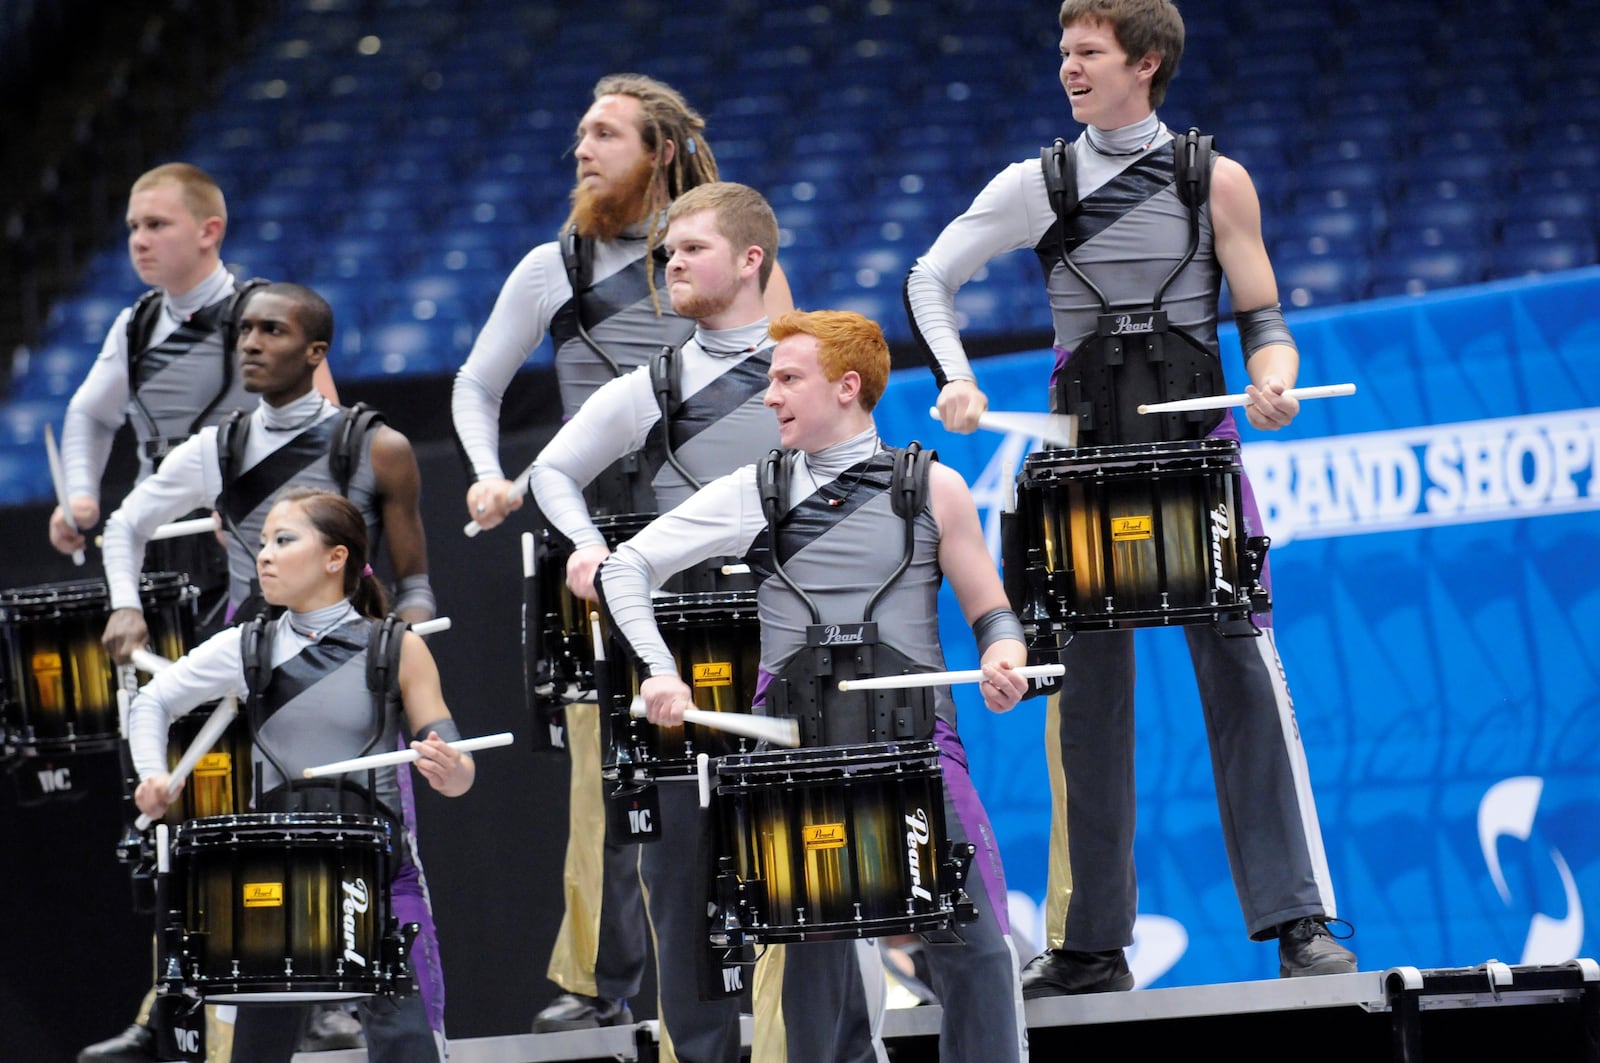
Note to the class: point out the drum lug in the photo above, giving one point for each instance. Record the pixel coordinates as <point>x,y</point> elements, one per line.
<point>726,929</point>
<point>397,959</point>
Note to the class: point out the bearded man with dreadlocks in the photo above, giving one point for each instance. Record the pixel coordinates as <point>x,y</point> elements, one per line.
<point>598,290</point>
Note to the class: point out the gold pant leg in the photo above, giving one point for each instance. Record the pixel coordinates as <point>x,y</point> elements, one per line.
<point>578,940</point>
<point>1058,884</point>
<point>770,1041</point>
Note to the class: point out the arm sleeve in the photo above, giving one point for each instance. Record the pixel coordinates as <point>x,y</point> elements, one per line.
<point>95,412</point>
<point>612,424</point>
<point>178,487</point>
<point>522,313</point>
<point>723,518</point>
<point>997,222</point>
<point>210,671</point>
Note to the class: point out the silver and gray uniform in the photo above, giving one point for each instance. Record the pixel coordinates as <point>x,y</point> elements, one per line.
<point>182,373</point>
<point>1132,231</point>
<point>286,444</point>
<point>835,553</point>
<point>620,312</point>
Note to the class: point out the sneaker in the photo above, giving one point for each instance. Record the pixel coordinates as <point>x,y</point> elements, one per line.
<point>136,1044</point>
<point>1307,947</point>
<point>574,1011</point>
<point>330,1028</point>
<point>1061,973</point>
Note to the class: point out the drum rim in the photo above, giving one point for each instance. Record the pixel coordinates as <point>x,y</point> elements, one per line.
<point>805,756</point>
<point>268,820</point>
<point>159,588</point>
<point>1123,453</point>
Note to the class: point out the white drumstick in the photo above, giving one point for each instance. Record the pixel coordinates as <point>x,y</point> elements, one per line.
<point>58,477</point>
<point>519,487</point>
<point>939,679</point>
<point>1220,402</point>
<point>405,756</point>
<point>146,661</point>
<point>780,731</point>
<point>1056,428</point>
<point>432,627</point>
<point>175,530</point>
<point>735,570</point>
<point>212,730</point>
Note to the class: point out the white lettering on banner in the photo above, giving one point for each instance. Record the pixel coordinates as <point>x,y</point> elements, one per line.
<point>1508,810</point>
<point>1504,469</point>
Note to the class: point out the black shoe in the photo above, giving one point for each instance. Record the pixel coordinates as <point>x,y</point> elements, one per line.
<point>1306,947</point>
<point>136,1044</point>
<point>330,1028</point>
<point>1060,973</point>
<point>574,1011</point>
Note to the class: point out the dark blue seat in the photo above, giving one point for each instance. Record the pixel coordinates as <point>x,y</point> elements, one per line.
<point>1541,256</point>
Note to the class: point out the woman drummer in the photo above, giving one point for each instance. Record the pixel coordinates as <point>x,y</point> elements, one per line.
<point>313,566</point>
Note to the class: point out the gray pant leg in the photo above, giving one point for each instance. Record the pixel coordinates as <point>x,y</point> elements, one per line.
<point>825,1014</point>
<point>676,892</point>
<point>1269,819</point>
<point>1097,761</point>
<point>397,1030</point>
<point>622,950</point>
<point>976,980</point>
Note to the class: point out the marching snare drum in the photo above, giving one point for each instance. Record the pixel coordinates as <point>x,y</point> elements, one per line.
<point>1135,536</point>
<point>831,842</point>
<point>716,641</point>
<point>283,907</point>
<point>60,685</point>
<point>566,642</point>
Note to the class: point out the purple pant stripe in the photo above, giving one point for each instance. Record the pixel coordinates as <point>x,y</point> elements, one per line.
<point>972,822</point>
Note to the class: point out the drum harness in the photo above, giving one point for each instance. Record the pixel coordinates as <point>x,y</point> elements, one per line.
<point>1173,364</point>
<point>798,691</point>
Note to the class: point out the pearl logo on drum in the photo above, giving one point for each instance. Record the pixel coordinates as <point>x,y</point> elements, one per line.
<point>1220,530</point>
<point>917,834</point>
<point>838,635</point>
<point>356,902</point>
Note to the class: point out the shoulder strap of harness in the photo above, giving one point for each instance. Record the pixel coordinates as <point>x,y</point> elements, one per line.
<point>231,435</point>
<point>577,255</point>
<point>141,323</point>
<point>385,639</point>
<point>344,455</point>
<point>772,482</point>
<point>909,485</point>
<point>666,381</point>
<point>1060,178</point>
<point>1191,166</point>
<point>255,653</point>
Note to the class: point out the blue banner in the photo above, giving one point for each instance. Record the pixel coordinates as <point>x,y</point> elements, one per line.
<point>1436,589</point>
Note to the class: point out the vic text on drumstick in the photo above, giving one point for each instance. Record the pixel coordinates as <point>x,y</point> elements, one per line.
<point>779,730</point>
<point>405,756</point>
<point>212,730</point>
<point>939,679</point>
<point>58,477</point>
<point>1220,402</point>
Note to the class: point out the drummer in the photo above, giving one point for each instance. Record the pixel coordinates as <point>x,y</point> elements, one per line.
<point>834,546</point>
<point>704,420</point>
<point>314,564</point>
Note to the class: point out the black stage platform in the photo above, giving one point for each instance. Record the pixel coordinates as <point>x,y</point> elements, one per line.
<point>1549,1014</point>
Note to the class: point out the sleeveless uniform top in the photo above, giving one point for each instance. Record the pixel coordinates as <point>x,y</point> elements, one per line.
<point>176,379</point>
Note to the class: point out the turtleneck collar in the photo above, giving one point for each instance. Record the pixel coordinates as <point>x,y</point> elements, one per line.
<point>729,342</point>
<point>831,461</point>
<point>208,291</point>
<point>1127,140</point>
<point>303,412</point>
<point>315,623</point>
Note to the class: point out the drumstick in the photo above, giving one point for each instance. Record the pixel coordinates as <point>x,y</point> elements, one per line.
<point>146,661</point>
<point>1219,402</point>
<point>519,487</point>
<point>405,756</point>
<point>939,679</point>
<point>780,731</point>
<point>58,477</point>
<point>1056,428</point>
<point>210,731</point>
<point>432,627</point>
<point>176,529</point>
<point>735,570</point>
